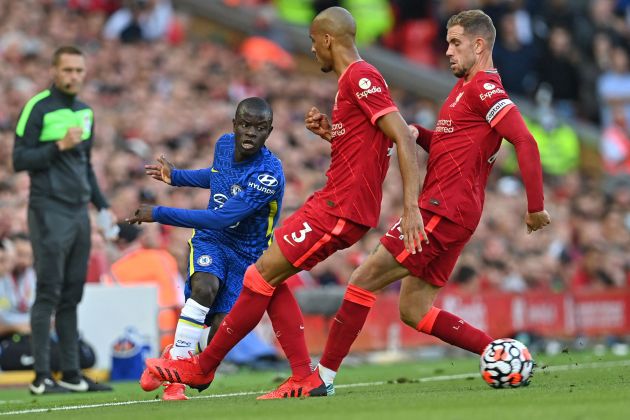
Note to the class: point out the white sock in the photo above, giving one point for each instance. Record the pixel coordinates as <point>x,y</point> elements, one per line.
<point>189,329</point>
<point>203,340</point>
<point>327,375</point>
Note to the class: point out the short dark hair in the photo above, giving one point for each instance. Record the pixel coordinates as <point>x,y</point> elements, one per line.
<point>66,49</point>
<point>255,104</point>
<point>475,22</point>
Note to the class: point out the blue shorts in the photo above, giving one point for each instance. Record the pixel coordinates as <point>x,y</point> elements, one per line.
<point>229,267</point>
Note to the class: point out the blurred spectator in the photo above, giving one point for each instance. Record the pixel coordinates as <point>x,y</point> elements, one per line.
<point>557,67</point>
<point>139,20</point>
<point>16,294</point>
<point>558,143</point>
<point>514,60</point>
<point>296,12</point>
<point>373,17</point>
<point>615,144</point>
<point>141,261</point>
<point>259,51</point>
<point>614,85</point>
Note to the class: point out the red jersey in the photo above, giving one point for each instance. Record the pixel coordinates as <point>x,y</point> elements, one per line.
<point>360,150</point>
<point>463,149</point>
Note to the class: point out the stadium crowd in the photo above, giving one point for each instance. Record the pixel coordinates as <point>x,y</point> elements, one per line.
<point>157,89</point>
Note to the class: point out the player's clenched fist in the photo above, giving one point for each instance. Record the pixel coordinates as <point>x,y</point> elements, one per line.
<point>318,123</point>
<point>536,221</point>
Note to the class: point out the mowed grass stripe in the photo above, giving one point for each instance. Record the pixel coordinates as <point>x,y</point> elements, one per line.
<point>572,366</point>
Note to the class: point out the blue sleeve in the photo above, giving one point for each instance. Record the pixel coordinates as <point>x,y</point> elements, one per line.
<point>191,178</point>
<point>234,210</point>
<point>263,186</point>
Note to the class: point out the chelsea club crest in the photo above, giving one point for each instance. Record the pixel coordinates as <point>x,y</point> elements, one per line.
<point>235,189</point>
<point>204,260</point>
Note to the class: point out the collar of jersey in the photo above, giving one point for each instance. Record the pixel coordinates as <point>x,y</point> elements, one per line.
<point>348,68</point>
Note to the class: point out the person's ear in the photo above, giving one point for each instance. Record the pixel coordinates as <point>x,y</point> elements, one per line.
<point>479,45</point>
<point>327,40</point>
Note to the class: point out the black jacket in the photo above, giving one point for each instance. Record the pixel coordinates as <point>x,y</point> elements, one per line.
<point>65,176</point>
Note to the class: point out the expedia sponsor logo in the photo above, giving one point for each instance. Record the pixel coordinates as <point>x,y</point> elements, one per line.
<point>496,108</point>
<point>338,130</point>
<point>489,86</point>
<point>366,92</point>
<point>489,94</point>
<point>365,83</point>
<point>261,188</point>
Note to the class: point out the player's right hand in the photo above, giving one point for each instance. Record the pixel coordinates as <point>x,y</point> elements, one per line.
<point>161,172</point>
<point>71,139</point>
<point>536,221</point>
<point>412,229</point>
<point>318,123</point>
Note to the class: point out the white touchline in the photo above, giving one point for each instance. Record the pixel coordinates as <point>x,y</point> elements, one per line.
<point>574,366</point>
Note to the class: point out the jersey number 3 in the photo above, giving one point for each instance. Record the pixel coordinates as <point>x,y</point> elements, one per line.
<point>302,233</point>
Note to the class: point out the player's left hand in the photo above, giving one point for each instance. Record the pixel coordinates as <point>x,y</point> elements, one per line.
<point>143,214</point>
<point>412,228</point>
<point>536,221</point>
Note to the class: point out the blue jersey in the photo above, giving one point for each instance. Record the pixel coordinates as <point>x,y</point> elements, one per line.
<point>245,200</point>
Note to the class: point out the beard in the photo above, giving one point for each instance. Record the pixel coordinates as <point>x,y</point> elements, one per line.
<point>459,72</point>
<point>327,68</point>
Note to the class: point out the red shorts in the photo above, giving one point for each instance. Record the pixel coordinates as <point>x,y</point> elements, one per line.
<point>309,236</point>
<point>436,261</point>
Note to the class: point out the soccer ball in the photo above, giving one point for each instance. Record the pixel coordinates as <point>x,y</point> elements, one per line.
<point>506,363</point>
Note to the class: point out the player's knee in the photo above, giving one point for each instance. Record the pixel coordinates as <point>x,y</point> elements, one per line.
<point>411,313</point>
<point>204,288</point>
<point>274,268</point>
<point>370,275</point>
<point>408,317</point>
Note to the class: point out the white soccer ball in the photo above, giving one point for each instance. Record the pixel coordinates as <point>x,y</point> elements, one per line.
<point>506,363</point>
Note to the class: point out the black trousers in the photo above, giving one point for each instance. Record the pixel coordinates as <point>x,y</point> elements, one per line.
<point>60,236</point>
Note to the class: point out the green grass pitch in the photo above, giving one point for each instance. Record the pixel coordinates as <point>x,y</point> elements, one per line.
<point>567,386</point>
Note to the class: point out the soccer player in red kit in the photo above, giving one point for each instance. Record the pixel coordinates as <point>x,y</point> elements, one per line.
<point>365,125</point>
<point>475,118</point>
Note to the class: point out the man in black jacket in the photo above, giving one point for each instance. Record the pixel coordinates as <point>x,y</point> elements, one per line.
<point>53,139</point>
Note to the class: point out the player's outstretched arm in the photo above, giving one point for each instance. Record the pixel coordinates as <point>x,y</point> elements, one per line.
<point>318,123</point>
<point>234,210</point>
<point>422,135</point>
<point>513,129</point>
<point>395,127</point>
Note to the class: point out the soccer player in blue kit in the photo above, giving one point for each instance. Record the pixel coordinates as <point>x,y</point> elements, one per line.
<point>246,184</point>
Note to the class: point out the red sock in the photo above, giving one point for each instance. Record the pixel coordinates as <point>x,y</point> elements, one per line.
<point>347,325</point>
<point>245,315</point>
<point>454,330</point>
<point>288,324</point>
